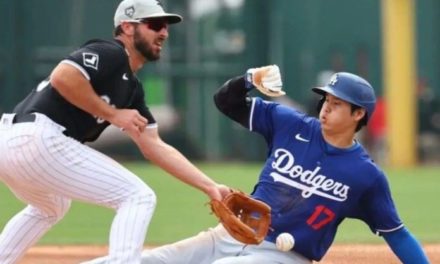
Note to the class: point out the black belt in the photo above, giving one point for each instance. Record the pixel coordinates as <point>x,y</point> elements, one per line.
<point>22,118</point>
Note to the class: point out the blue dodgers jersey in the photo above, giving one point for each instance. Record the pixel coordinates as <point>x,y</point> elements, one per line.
<point>312,186</point>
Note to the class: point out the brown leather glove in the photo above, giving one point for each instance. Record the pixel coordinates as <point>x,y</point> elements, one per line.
<point>246,219</point>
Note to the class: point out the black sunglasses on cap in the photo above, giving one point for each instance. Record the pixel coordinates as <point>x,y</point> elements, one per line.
<point>155,24</point>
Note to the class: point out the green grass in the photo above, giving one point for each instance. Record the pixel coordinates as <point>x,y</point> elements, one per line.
<point>182,210</point>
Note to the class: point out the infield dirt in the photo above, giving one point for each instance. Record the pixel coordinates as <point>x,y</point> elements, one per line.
<point>338,254</point>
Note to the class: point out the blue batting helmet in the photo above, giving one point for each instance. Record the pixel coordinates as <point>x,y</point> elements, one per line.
<point>351,88</point>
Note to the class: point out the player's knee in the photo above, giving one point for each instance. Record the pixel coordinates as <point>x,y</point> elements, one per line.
<point>62,210</point>
<point>149,197</point>
<point>62,207</point>
<point>145,197</point>
<point>51,213</point>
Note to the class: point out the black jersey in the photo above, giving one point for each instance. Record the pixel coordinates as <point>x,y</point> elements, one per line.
<point>106,65</point>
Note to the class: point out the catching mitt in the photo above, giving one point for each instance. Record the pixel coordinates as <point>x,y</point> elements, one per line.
<point>246,219</point>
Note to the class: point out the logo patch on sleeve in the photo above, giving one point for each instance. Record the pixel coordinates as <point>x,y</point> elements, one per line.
<point>91,60</point>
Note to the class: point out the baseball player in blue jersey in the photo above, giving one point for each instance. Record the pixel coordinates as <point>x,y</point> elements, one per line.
<point>316,174</point>
<point>44,161</point>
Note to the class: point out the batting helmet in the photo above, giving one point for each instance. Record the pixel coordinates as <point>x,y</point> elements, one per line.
<point>351,88</point>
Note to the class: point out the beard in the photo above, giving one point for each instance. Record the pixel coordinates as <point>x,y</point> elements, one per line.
<point>144,48</point>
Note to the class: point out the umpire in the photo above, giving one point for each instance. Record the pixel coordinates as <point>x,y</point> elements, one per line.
<point>44,161</point>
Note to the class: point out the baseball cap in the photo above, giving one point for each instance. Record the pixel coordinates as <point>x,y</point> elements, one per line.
<point>135,10</point>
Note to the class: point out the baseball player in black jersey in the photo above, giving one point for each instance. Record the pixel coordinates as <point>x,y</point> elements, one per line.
<point>44,162</point>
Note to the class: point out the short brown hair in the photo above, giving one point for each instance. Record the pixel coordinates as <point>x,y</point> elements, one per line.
<point>117,31</point>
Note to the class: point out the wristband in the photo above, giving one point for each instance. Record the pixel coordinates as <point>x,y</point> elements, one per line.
<point>248,81</point>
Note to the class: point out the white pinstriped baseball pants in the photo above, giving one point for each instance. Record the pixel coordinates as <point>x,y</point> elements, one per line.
<point>46,170</point>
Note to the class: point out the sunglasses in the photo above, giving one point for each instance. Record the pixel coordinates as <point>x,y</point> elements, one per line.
<point>155,24</point>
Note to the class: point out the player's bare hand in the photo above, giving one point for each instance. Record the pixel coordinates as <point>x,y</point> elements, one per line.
<point>129,120</point>
<point>218,192</point>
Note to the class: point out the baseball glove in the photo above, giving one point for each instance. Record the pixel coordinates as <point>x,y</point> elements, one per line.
<point>267,80</point>
<point>246,219</point>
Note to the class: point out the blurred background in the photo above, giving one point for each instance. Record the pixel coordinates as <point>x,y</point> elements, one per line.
<point>219,39</point>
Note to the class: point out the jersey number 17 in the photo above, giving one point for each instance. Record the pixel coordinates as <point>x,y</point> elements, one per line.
<point>320,217</point>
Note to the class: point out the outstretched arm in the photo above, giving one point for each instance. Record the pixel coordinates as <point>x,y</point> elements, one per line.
<point>173,162</point>
<point>406,247</point>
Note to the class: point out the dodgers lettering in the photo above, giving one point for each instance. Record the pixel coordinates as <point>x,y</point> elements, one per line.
<point>309,181</point>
